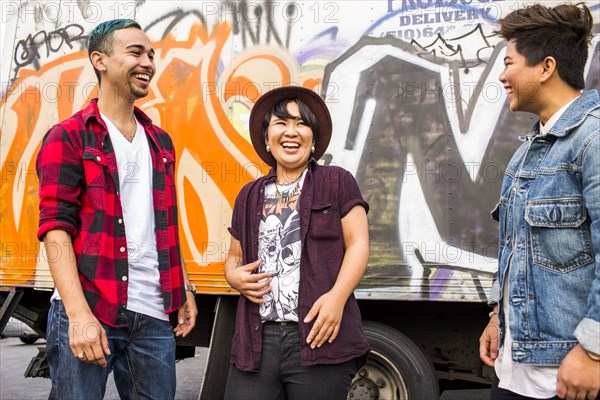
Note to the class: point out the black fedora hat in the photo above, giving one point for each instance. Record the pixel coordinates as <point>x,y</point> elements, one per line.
<point>268,100</point>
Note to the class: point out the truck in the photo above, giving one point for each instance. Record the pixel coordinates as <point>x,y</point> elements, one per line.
<point>419,118</point>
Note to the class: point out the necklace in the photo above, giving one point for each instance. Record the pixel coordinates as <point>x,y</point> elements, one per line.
<point>285,198</point>
<point>291,182</point>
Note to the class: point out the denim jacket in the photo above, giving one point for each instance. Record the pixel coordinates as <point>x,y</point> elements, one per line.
<point>549,214</point>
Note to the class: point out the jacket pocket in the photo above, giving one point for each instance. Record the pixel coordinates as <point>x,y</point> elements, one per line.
<point>560,239</point>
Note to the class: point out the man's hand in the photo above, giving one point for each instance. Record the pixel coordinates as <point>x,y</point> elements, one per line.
<point>87,339</point>
<point>186,316</point>
<point>578,376</point>
<point>329,309</point>
<point>252,286</point>
<point>488,342</point>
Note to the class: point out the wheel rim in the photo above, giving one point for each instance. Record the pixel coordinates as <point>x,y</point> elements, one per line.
<point>378,379</point>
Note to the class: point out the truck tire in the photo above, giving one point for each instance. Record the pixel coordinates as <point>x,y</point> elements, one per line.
<point>396,368</point>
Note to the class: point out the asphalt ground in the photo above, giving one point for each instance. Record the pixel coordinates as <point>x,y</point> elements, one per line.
<point>15,357</point>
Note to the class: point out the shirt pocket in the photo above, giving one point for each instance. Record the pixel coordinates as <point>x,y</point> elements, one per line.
<point>169,161</point>
<point>96,176</point>
<point>560,240</point>
<point>94,165</point>
<point>325,222</point>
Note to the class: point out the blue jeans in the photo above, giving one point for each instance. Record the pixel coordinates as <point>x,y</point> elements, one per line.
<point>281,375</point>
<point>142,359</point>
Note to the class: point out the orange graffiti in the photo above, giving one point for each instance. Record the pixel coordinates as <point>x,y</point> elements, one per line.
<point>202,108</point>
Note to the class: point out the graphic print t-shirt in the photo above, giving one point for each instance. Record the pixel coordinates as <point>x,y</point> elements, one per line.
<point>279,248</point>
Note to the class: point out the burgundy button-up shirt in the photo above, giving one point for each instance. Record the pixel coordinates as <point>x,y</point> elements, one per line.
<point>328,194</point>
<point>79,193</point>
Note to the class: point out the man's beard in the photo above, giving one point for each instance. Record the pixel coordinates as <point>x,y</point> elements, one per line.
<point>137,92</point>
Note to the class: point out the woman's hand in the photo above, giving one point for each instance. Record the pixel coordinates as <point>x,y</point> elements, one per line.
<point>328,309</point>
<point>252,286</point>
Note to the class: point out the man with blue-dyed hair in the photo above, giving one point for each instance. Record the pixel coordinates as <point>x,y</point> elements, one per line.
<point>108,219</point>
<point>101,38</point>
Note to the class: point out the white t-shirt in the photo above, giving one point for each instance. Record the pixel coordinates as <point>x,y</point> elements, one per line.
<point>134,164</point>
<point>279,247</point>
<point>538,382</point>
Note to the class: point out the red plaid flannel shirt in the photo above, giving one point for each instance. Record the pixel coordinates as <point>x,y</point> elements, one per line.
<point>79,193</point>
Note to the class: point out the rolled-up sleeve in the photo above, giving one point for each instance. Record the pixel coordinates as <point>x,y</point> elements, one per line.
<point>60,171</point>
<point>494,293</point>
<point>349,194</point>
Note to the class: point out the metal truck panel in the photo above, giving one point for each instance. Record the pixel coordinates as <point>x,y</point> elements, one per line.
<point>419,118</point>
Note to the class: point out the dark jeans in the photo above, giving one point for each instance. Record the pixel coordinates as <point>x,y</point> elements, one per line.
<point>142,359</point>
<point>282,377</point>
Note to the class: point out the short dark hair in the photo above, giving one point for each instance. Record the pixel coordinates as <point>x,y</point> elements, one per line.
<point>101,38</point>
<point>280,111</point>
<point>563,32</point>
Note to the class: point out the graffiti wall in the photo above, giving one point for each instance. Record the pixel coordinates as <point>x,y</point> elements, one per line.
<point>419,118</point>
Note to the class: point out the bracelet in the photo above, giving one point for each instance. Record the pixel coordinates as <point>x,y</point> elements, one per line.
<point>593,356</point>
<point>190,287</point>
<point>492,313</point>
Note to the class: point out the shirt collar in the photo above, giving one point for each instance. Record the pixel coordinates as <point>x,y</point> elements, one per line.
<point>588,102</point>
<point>544,129</point>
<point>92,111</point>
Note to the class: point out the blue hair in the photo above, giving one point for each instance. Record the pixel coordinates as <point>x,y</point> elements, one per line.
<point>101,38</point>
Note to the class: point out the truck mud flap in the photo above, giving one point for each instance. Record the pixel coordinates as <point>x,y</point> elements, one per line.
<point>38,366</point>
<point>217,364</point>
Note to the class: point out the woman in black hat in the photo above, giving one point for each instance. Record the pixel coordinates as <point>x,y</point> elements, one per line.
<point>299,248</point>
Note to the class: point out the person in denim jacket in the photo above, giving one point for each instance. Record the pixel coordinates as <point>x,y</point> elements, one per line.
<point>543,337</point>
